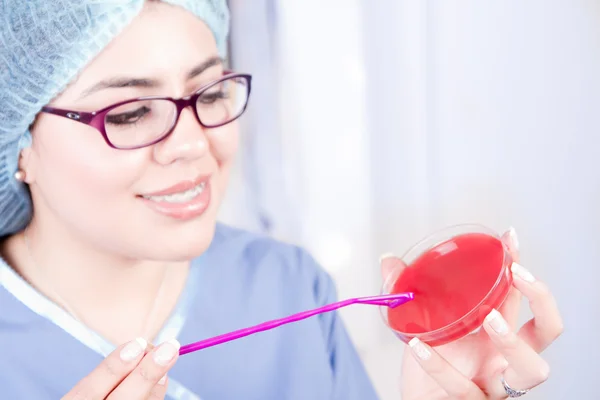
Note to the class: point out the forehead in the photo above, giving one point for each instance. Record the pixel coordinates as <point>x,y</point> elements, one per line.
<point>163,41</point>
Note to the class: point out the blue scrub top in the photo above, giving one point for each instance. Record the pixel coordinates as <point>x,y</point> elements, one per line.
<point>242,279</point>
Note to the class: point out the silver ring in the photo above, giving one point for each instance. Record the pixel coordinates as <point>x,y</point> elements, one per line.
<point>511,392</point>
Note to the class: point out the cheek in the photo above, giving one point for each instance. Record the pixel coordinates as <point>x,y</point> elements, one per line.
<point>77,172</point>
<point>224,143</point>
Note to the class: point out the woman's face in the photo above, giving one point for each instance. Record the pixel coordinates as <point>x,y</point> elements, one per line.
<point>104,196</point>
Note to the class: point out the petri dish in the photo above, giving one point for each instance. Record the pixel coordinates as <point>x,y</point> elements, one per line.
<point>458,275</point>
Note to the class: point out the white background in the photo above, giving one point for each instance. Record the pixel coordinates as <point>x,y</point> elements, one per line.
<point>375,122</point>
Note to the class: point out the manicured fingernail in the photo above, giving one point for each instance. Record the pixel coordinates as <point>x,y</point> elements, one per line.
<point>163,380</point>
<point>514,238</point>
<point>133,349</point>
<point>497,322</point>
<point>522,272</point>
<point>419,349</point>
<point>384,256</point>
<point>165,353</point>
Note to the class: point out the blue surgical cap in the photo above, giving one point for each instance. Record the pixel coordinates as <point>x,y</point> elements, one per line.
<point>44,44</point>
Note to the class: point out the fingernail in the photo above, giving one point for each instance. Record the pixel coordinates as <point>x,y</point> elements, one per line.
<point>514,238</point>
<point>522,272</point>
<point>165,353</point>
<point>497,322</point>
<point>163,380</point>
<point>419,349</point>
<point>384,256</point>
<point>133,349</point>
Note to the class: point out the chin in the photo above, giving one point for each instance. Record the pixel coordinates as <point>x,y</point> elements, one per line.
<point>182,244</point>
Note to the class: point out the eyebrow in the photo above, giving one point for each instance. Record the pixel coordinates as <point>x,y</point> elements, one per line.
<point>124,82</point>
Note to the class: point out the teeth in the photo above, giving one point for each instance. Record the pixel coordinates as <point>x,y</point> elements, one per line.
<point>182,197</point>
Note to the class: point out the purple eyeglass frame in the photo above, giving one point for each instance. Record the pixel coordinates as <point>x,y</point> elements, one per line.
<point>96,119</point>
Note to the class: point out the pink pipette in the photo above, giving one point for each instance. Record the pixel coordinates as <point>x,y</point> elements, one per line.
<point>389,300</point>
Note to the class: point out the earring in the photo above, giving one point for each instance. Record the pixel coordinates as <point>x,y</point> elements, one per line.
<point>20,176</point>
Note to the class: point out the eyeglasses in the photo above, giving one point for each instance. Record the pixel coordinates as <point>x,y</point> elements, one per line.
<point>144,121</point>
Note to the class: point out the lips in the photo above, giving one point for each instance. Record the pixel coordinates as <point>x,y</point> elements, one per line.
<point>183,201</point>
<point>180,187</point>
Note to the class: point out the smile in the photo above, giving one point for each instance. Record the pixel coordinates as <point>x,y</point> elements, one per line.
<point>181,197</point>
<point>183,201</point>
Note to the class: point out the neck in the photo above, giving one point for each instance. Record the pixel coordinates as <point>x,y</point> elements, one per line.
<point>107,291</point>
<point>75,266</point>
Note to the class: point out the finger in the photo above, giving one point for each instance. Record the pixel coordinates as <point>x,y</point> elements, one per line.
<point>159,391</point>
<point>546,325</point>
<point>526,369</point>
<point>142,382</point>
<point>511,239</point>
<point>510,308</point>
<point>512,305</point>
<point>389,263</point>
<point>455,384</point>
<point>110,372</point>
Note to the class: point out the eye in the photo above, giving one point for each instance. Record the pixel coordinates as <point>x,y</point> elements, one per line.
<point>128,117</point>
<point>212,97</point>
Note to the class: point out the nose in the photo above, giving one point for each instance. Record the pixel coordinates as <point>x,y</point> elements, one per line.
<point>187,142</point>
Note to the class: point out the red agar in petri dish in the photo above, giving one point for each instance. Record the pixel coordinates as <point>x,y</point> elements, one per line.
<point>458,275</point>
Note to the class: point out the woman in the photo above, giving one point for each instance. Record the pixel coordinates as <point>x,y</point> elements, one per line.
<point>108,212</point>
